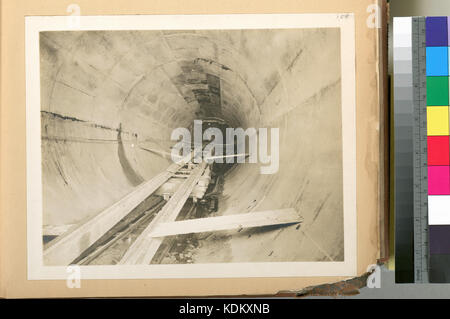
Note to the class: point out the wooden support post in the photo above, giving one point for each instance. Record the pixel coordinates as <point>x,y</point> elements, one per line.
<point>145,247</point>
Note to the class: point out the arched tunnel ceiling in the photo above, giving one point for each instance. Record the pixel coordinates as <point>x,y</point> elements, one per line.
<point>107,97</point>
<point>153,71</point>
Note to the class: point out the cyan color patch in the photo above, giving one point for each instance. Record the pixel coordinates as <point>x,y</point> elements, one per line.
<point>437,61</point>
<point>448,61</point>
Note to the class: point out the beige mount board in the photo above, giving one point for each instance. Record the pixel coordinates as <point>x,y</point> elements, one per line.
<point>15,261</point>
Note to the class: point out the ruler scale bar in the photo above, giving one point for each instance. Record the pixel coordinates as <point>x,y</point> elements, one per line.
<point>420,151</point>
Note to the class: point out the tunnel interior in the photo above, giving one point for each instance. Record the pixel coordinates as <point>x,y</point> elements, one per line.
<point>110,100</point>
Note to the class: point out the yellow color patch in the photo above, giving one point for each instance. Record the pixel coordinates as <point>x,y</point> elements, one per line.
<point>437,120</point>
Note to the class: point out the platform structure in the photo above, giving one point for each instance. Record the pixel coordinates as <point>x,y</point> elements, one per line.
<point>179,182</point>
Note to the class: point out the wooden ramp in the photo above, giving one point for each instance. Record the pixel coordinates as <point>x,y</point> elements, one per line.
<point>64,249</point>
<point>145,246</point>
<point>67,247</point>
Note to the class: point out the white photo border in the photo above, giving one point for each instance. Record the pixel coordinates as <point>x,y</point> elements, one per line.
<point>35,24</point>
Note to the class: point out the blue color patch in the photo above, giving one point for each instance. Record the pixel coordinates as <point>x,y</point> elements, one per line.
<point>436,31</point>
<point>437,61</point>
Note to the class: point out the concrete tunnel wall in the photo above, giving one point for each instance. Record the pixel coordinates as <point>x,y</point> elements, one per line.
<point>109,97</point>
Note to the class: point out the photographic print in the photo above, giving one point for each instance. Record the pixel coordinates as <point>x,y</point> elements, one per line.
<point>191,146</point>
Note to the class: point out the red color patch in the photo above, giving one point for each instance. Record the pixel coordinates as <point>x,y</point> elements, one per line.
<point>438,150</point>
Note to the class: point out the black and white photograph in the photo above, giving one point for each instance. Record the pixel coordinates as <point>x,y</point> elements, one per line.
<point>212,150</point>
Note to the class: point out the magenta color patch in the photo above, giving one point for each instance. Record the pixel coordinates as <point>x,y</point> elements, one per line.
<point>439,180</point>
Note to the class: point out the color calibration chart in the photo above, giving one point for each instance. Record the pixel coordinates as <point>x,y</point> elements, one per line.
<point>422,149</point>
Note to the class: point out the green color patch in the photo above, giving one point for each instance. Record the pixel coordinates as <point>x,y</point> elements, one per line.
<point>437,90</point>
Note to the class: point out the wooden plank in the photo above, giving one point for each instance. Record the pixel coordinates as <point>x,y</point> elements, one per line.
<point>230,222</point>
<point>145,247</point>
<point>119,236</point>
<point>64,249</point>
<point>169,242</point>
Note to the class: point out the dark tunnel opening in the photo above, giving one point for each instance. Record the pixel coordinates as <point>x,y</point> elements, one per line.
<point>111,99</point>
